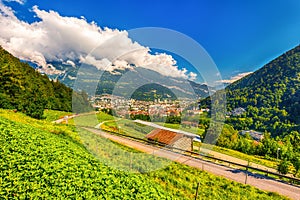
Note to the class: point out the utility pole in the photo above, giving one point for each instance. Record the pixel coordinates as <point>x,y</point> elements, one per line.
<point>246,178</point>
<point>196,195</point>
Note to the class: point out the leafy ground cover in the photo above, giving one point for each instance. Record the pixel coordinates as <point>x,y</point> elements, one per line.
<point>37,162</point>
<point>40,164</point>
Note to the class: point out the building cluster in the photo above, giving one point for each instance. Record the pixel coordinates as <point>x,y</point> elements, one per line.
<point>161,108</point>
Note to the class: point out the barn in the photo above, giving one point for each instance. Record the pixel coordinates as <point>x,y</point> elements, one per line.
<point>171,137</point>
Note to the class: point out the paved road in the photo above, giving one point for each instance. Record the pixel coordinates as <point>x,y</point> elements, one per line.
<point>259,181</point>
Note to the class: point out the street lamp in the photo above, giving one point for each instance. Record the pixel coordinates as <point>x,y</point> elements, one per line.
<point>278,149</point>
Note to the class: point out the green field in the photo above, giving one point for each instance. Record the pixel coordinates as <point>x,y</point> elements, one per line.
<point>92,119</point>
<point>51,115</point>
<point>38,162</point>
<point>127,127</point>
<point>243,156</point>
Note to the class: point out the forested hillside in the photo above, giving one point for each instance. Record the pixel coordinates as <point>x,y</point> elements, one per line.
<point>26,90</point>
<point>270,97</point>
<point>152,91</point>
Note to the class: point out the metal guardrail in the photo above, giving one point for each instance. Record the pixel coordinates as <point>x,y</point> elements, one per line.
<point>186,152</point>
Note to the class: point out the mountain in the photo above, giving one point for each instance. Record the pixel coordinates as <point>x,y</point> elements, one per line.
<point>26,90</point>
<point>274,85</point>
<point>270,96</point>
<point>152,91</point>
<point>125,82</point>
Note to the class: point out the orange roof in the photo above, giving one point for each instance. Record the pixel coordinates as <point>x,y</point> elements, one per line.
<point>138,112</point>
<point>164,136</point>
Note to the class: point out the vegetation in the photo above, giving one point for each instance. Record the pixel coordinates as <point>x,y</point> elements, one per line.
<point>24,89</point>
<point>177,179</point>
<point>251,158</point>
<point>39,164</point>
<point>283,166</point>
<point>161,87</point>
<point>282,148</point>
<point>52,115</point>
<point>150,92</point>
<point>126,127</point>
<point>182,127</point>
<point>271,99</point>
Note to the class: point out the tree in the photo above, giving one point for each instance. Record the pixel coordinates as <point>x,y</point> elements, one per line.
<point>296,163</point>
<point>283,166</point>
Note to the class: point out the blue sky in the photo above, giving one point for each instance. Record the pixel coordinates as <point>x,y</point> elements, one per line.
<point>240,36</point>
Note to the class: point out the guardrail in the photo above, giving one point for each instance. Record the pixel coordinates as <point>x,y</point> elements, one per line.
<point>195,155</point>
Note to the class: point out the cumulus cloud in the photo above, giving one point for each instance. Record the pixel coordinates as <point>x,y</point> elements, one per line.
<point>235,78</point>
<point>192,76</point>
<point>18,1</point>
<point>66,39</point>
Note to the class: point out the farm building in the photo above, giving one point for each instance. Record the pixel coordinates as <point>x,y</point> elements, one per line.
<point>171,137</point>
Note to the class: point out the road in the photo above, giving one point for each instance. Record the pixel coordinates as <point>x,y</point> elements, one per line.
<point>258,181</point>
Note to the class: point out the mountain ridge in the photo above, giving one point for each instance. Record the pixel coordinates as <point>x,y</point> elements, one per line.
<point>108,81</point>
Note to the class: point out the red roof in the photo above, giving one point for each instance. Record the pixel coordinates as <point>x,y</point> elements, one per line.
<point>164,136</point>
<point>138,112</point>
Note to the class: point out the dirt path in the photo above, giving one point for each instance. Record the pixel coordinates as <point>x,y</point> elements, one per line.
<point>259,181</point>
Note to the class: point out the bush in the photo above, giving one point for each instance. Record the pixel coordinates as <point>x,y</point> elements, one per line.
<point>283,167</point>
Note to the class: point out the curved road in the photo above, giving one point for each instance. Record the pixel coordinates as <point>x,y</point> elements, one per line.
<point>259,181</point>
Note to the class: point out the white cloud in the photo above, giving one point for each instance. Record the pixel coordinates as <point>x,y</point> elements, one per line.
<point>6,11</point>
<point>192,76</point>
<point>58,38</point>
<point>70,62</point>
<point>235,78</point>
<point>22,2</point>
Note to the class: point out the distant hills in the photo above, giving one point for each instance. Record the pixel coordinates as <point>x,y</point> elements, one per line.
<point>26,90</point>
<point>152,91</point>
<point>271,96</point>
<point>125,82</point>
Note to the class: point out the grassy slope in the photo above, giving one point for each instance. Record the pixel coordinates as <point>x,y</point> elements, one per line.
<point>194,130</point>
<point>38,163</point>
<point>51,115</point>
